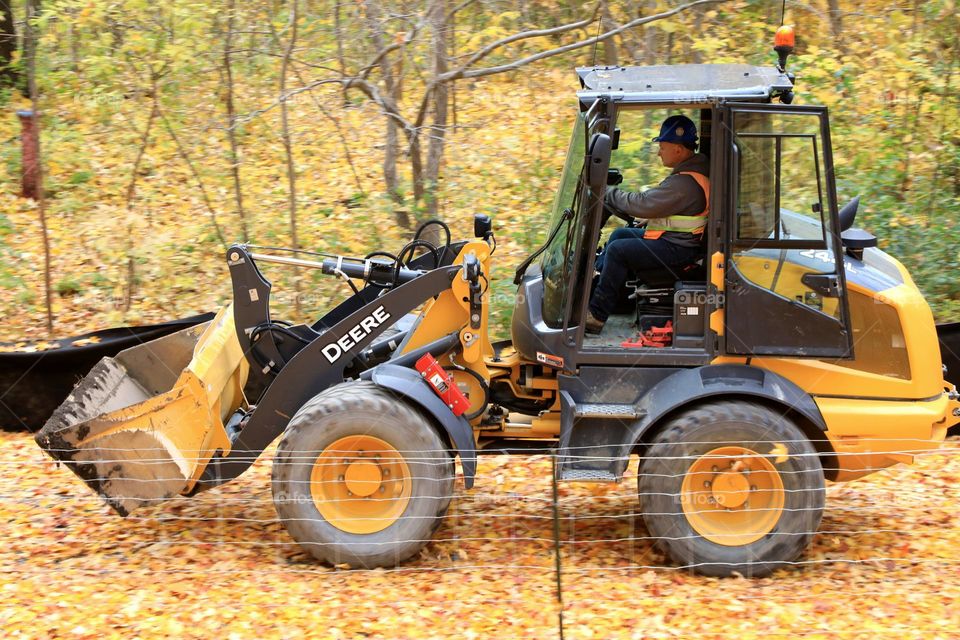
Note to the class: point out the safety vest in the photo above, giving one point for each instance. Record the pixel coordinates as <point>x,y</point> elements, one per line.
<point>684,224</point>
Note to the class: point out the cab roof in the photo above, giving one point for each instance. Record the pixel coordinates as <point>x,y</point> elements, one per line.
<point>690,83</point>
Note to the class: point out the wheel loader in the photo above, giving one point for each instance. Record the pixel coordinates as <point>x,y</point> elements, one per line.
<point>792,353</point>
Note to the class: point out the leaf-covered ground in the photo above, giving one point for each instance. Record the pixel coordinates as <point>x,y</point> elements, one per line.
<point>219,565</point>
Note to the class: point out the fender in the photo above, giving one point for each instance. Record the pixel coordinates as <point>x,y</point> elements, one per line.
<point>690,385</point>
<point>408,383</point>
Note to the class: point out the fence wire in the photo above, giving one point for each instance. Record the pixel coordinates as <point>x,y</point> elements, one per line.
<point>519,555</point>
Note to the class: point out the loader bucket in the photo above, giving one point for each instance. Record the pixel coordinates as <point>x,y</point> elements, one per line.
<point>141,426</point>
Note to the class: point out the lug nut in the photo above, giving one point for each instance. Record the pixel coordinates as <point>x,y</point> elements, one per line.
<point>753,487</point>
<point>706,484</point>
<point>340,478</point>
<point>715,468</point>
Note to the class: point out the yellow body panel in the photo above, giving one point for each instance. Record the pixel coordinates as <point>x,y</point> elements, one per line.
<point>762,271</point>
<point>875,420</point>
<point>825,377</point>
<point>450,312</point>
<point>869,435</point>
<point>717,279</point>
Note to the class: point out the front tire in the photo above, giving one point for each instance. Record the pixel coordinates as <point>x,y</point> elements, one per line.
<point>732,487</point>
<point>361,477</point>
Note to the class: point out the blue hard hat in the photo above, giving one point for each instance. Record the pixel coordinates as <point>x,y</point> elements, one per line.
<point>678,129</point>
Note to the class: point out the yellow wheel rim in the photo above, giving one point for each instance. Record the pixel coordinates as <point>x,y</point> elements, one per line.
<point>360,484</point>
<point>732,496</point>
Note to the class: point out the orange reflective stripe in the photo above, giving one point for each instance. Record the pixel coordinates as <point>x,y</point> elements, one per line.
<point>704,183</point>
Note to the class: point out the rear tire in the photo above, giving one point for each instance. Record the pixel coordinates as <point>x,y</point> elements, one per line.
<point>732,487</point>
<point>361,477</point>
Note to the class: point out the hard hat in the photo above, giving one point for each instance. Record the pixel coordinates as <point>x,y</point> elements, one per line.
<point>678,129</point>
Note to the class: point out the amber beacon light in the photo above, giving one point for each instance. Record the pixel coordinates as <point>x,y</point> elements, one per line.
<point>783,43</point>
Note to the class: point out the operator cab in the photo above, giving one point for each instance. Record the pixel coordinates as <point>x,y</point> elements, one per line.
<point>648,312</point>
<point>771,272</point>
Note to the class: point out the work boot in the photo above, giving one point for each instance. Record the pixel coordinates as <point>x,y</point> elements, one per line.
<point>592,325</point>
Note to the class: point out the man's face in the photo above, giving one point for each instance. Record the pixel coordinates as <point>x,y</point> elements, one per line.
<point>671,154</point>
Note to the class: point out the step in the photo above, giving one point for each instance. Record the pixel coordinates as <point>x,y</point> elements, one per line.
<point>622,411</point>
<point>586,475</point>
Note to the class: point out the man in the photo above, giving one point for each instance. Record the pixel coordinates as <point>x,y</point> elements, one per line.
<point>676,214</point>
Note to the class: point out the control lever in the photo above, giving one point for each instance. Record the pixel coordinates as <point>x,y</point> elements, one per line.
<point>471,273</point>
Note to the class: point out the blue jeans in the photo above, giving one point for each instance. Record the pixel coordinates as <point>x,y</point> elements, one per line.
<point>628,251</point>
<point>620,233</point>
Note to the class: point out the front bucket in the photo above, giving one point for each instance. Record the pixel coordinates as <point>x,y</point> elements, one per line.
<point>141,427</point>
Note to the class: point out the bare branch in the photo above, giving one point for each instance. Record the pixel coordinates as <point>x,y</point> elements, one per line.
<point>463,5</point>
<point>196,175</point>
<point>389,107</point>
<point>378,58</point>
<point>516,64</point>
<point>524,35</point>
<point>339,129</point>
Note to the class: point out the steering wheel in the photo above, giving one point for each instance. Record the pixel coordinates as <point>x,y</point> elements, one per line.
<point>610,213</point>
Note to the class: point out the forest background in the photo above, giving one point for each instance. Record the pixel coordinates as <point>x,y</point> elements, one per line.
<point>170,129</point>
<point>164,137</point>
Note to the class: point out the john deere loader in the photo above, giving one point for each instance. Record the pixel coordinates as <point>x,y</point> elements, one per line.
<point>791,353</point>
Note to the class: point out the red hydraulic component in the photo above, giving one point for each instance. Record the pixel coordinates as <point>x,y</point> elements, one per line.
<point>442,383</point>
<point>652,337</point>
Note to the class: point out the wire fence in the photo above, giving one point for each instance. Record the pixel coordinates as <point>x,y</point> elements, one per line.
<point>518,555</point>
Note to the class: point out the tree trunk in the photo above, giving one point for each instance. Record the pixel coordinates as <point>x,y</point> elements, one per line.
<point>391,83</point>
<point>30,41</point>
<point>836,24</point>
<point>288,149</point>
<point>131,192</point>
<point>233,157</point>
<point>611,56</point>
<point>650,36</point>
<point>440,99</point>
<point>695,54</point>
<point>416,166</point>
<point>8,44</point>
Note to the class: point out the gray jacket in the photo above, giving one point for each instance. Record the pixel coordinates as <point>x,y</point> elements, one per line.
<point>677,195</point>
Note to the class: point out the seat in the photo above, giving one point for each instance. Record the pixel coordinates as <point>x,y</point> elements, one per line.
<point>666,277</point>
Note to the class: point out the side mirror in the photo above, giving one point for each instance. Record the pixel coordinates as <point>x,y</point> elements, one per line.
<point>848,214</point>
<point>482,226</point>
<point>599,159</point>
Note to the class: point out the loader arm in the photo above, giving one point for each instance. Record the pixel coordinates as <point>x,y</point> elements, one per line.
<point>317,366</point>
<point>269,344</point>
<point>169,417</point>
